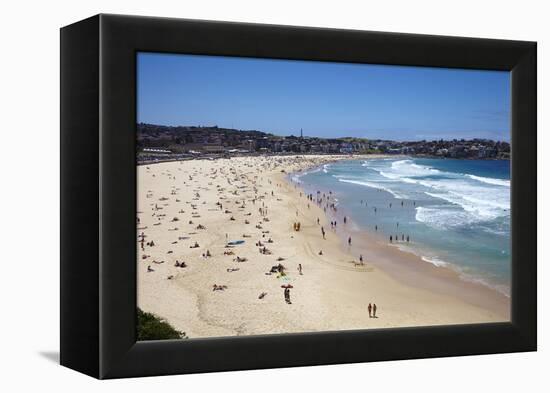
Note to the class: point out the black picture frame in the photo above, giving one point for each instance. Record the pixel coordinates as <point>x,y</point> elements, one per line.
<point>98,196</point>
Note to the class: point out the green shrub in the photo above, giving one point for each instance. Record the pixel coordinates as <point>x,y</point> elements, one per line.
<point>151,327</point>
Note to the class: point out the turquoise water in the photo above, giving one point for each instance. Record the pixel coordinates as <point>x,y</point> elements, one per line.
<point>455,212</point>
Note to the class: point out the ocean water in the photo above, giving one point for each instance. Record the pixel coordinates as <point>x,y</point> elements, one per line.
<point>455,212</point>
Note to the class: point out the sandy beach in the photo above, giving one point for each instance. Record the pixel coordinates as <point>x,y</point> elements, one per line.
<point>231,209</point>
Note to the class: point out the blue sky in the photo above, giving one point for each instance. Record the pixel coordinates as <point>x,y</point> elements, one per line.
<point>325,99</point>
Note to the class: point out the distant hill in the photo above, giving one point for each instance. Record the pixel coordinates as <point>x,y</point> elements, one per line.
<point>151,135</point>
<point>216,140</point>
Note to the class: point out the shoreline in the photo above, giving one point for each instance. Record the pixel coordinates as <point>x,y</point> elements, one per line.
<point>332,294</point>
<point>410,268</point>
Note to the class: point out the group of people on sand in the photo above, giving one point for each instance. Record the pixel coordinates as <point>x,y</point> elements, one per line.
<point>396,238</point>
<point>325,201</point>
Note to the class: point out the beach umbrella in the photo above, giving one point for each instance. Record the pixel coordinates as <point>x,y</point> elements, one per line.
<point>287,286</point>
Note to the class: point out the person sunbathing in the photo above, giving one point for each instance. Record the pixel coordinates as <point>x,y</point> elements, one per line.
<point>277,269</point>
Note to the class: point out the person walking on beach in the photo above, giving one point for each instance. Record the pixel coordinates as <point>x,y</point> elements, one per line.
<point>323,231</point>
<point>391,239</point>
<point>374,310</point>
<point>349,241</point>
<point>370,310</point>
<point>287,296</point>
<point>300,269</point>
<point>361,258</point>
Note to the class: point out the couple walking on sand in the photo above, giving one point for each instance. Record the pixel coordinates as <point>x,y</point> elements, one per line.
<point>372,310</point>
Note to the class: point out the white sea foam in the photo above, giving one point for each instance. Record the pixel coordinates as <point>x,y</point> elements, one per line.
<point>372,185</point>
<point>407,170</point>
<point>490,180</point>
<point>443,218</point>
<point>435,261</point>
<point>297,176</point>
<point>479,202</point>
<point>480,198</point>
<point>476,195</point>
<point>394,176</point>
